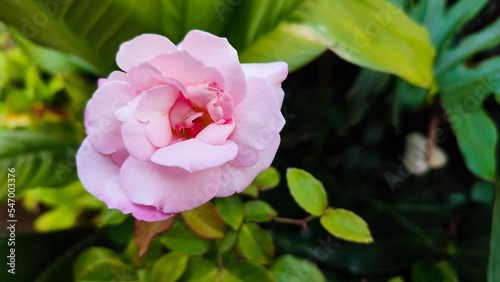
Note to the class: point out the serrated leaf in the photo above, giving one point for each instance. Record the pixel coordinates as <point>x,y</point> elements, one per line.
<point>346,225</point>
<point>259,211</point>
<point>307,191</point>
<point>255,243</point>
<point>205,221</point>
<point>268,179</point>
<point>200,270</point>
<point>170,267</point>
<point>289,268</point>
<point>181,238</point>
<point>101,264</point>
<point>231,210</point>
<point>145,232</point>
<point>245,271</point>
<point>112,217</point>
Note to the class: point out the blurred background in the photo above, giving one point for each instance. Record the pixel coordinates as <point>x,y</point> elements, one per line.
<point>363,79</point>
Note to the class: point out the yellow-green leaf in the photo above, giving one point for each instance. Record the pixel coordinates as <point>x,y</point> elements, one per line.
<point>170,267</point>
<point>205,221</point>
<point>145,232</point>
<point>346,225</point>
<point>231,210</point>
<point>259,211</point>
<point>307,191</point>
<point>255,243</point>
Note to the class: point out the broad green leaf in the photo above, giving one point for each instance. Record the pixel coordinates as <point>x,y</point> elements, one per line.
<point>252,190</point>
<point>346,225</point>
<point>373,34</point>
<point>39,159</point>
<point>231,210</point>
<point>482,192</point>
<point>112,217</point>
<point>73,196</point>
<point>181,238</point>
<point>170,267</point>
<point>200,270</point>
<point>259,211</point>
<point>145,232</point>
<point>205,221</point>
<point>307,191</point>
<point>181,16</point>
<point>57,219</point>
<point>154,253</point>
<point>429,271</point>
<point>245,271</point>
<point>290,268</point>
<point>255,243</point>
<point>268,179</point>
<point>476,135</point>
<point>101,264</point>
<point>77,26</point>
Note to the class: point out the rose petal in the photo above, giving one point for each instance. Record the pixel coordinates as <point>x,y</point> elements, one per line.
<point>195,155</point>
<point>170,189</point>
<point>216,134</point>
<point>100,175</point>
<point>102,126</point>
<point>258,118</point>
<point>273,73</point>
<point>237,178</point>
<point>135,140</point>
<point>216,52</point>
<point>142,49</point>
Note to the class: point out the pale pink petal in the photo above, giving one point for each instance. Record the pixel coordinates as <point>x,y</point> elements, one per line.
<point>195,155</point>
<point>169,189</point>
<point>159,132</point>
<point>216,52</point>
<point>258,118</point>
<point>102,126</point>
<point>114,76</point>
<point>216,134</point>
<point>235,178</point>
<point>180,112</point>
<point>183,67</point>
<point>135,140</point>
<point>157,102</point>
<point>272,73</point>
<point>100,175</point>
<point>144,77</point>
<point>142,49</point>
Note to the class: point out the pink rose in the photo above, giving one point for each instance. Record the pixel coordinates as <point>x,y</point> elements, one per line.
<point>181,125</point>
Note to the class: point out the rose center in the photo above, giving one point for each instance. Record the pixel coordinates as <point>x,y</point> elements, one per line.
<point>193,124</point>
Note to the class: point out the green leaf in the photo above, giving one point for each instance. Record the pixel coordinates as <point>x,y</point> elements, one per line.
<point>268,179</point>
<point>397,279</point>
<point>290,268</point>
<point>205,221</point>
<point>346,225</point>
<point>372,34</point>
<point>259,211</point>
<point>307,191</point>
<point>170,267</point>
<point>112,217</point>
<point>429,271</point>
<point>200,270</point>
<point>479,152</point>
<point>102,264</point>
<point>482,192</point>
<point>231,210</point>
<point>145,232</point>
<point>252,190</point>
<point>39,159</point>
<point>73,196</point>
<point>76,26</point>
<point>181,238</point>
<point>226,243</point>
<point>245,271</point>
<point>57,219</point>
<point>255,243</point>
